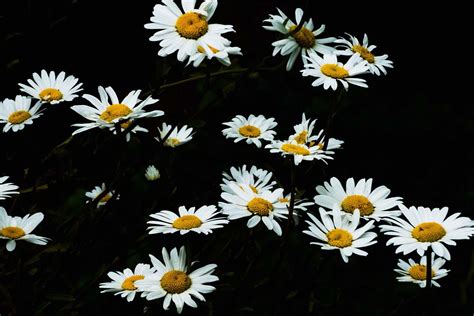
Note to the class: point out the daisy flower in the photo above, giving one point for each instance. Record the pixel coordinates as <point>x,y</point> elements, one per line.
<point>7,189</point>
<point>372,204</point>
<point>303,42</point>
<point>257,179</point>
<point>92,195</point>
<point>299,152</point>
<point>52,89</point>
<point>124,126</point>
<point>123,283</point>
<point>300,204</point>
<point>18,113</point>
<point>17,228</point>
<point>203,220</point>
<point>151,173</point>
<point>253,129</point>
<point>424,227</point>
<point>185,30</point>
<point>351,46</point>
<point>177,137</point>
<point>106,114</point>
<point>341,233</point>
<point>174,282</point>
<point>329,72</point>
<point>221,55</point>
<point>416,272</point>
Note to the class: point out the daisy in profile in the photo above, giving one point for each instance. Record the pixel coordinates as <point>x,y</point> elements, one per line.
<point>351,46</point>
<point>123,283</point>
<point>18,113</point>
<point>17,228</point>
<point>297,42</point>
<point>203,220</point>
<point>253,129</point>
<point>51,89</point>
<point>7,189</point>
<point>177,137</point>
<point>184,30</point>
<point>92,195</point>
<point>108,111</point>
<point>371,204</point>
<point>151,173</point>
<point>422,227</point>
<point>299,152</point>
<point>416,272</point>
<point>341,233</point>
<point>329,72</point>
<point>258,180</point>
<point>173,281</point>
<point>209,52</point>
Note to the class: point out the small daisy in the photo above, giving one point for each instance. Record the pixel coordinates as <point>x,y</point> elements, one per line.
<point>173,281</point>
<point>299,152</point>
<point>252,129</point>
<point>329,71</point>
<point>52,89</point>
<point>18,113</point>
<point>426,228</point>
<point>96,192</point>
<point>7,189</point>
<point>177,137</point>
<point>105,113</point>
<point>123,283</point>
<point>300,204</point>
<point>341,233</point>
<point>203,220</point>
<point>265,207</point>
<point>416,272</point>
<point>372,204</point>
<point>151,173</point>
<point>303,42</point>
<point>352,46</point>
<point>221,55</point>
<point>257,179</point>
<point>17,228</point>
<point>124,126</point>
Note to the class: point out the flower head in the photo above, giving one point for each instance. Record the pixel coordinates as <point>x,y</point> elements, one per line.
<point>18,113</point>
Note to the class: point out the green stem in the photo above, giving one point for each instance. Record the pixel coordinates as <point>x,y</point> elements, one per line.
<point>429,253</point>
<point>291,207</point>
<point>195,78</point>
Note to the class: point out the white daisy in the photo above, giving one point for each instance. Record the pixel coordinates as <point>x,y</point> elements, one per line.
<point>372,204</point>
<point>416,272</point>
<point>257,179</point>
<point>424,228</point>
<point>18,113</point>
<point>299,152</point>
<point>202,220</point>
<point>352,46</point>
<point>252,129</point>
<point>302,42</point>
<point>341,233</point>
<point>329,71</point>
<point>221,55</point>
<point>7,189</point>
<point>151,173</point>
<point>177,137</point>
<point>300,204</point>
<point>52,89</point>
<point>173,281</point>
<point>123,283</point>
<point>124,126</point>
<point>106,114</point>
<point>17,228</point>
<point>92,195</point>
<point>185,30</point>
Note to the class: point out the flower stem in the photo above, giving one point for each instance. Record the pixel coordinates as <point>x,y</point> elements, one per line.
<point>291,207</point>
<point>429,253</point>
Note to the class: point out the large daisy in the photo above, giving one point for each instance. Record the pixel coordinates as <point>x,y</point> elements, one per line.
<point>7,189</point>
<point>299,152</point>
<point>258,180</point>
<point>18,113</point>
<point>423,227</point>
<point>92,195</point>
<point>253,129</point>
<point>416,272</point>
<point>223,56</point>
<point>174,282</point>
<point>176,137</point>
<point>302,42</point>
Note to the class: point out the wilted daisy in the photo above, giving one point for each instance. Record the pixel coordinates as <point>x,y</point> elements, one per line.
<point>123,283</point>
<point>52,89</point>
<point>7,189</point>
<point>174,282</point>
<point>105,113</point>
<point>253,129</point>
<point>151,173</point>
<point>372,204</point>
<point>223,56</point>
<point>185,30</point>
<point>15,114</point>
<point>96,192</point>
<point>17,228</point>
<point>203,220</point>
<point>177,137</point>
<point>424,227</point>
<point>341,233</point>
<point>257,179</point>
<point>352,46</point>
<point>299,152</point>
<point>329,71</point>
<point>303,42</point>
<point>416,272</point>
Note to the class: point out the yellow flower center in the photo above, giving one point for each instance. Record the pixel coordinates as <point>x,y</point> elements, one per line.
<point>301,137</point>
<point>428,232</point>
<point>173,142</point>
<point>340,238</point>
<point>19,117</point>
<point>191,25</point>
<point>126,124</point>
<point>106,198</point>
<point>12,232</point>
<point>129,283</point>
<point>115,111</point>
<point>418,272</point>
<point>175,282</point>
<point>202,51</point>
<point>360,202</point>
<point>334,71</point>
<point>249,131</point>
<point>364,53</point>
<point>295,149</point>
<point>50,94</point>
<point>187,222</point>
<point>260,206</point>
<point>303,37</point>
<point>283,200</point>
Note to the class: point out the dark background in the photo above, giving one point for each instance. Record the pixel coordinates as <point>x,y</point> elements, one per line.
<point>411,131</point>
